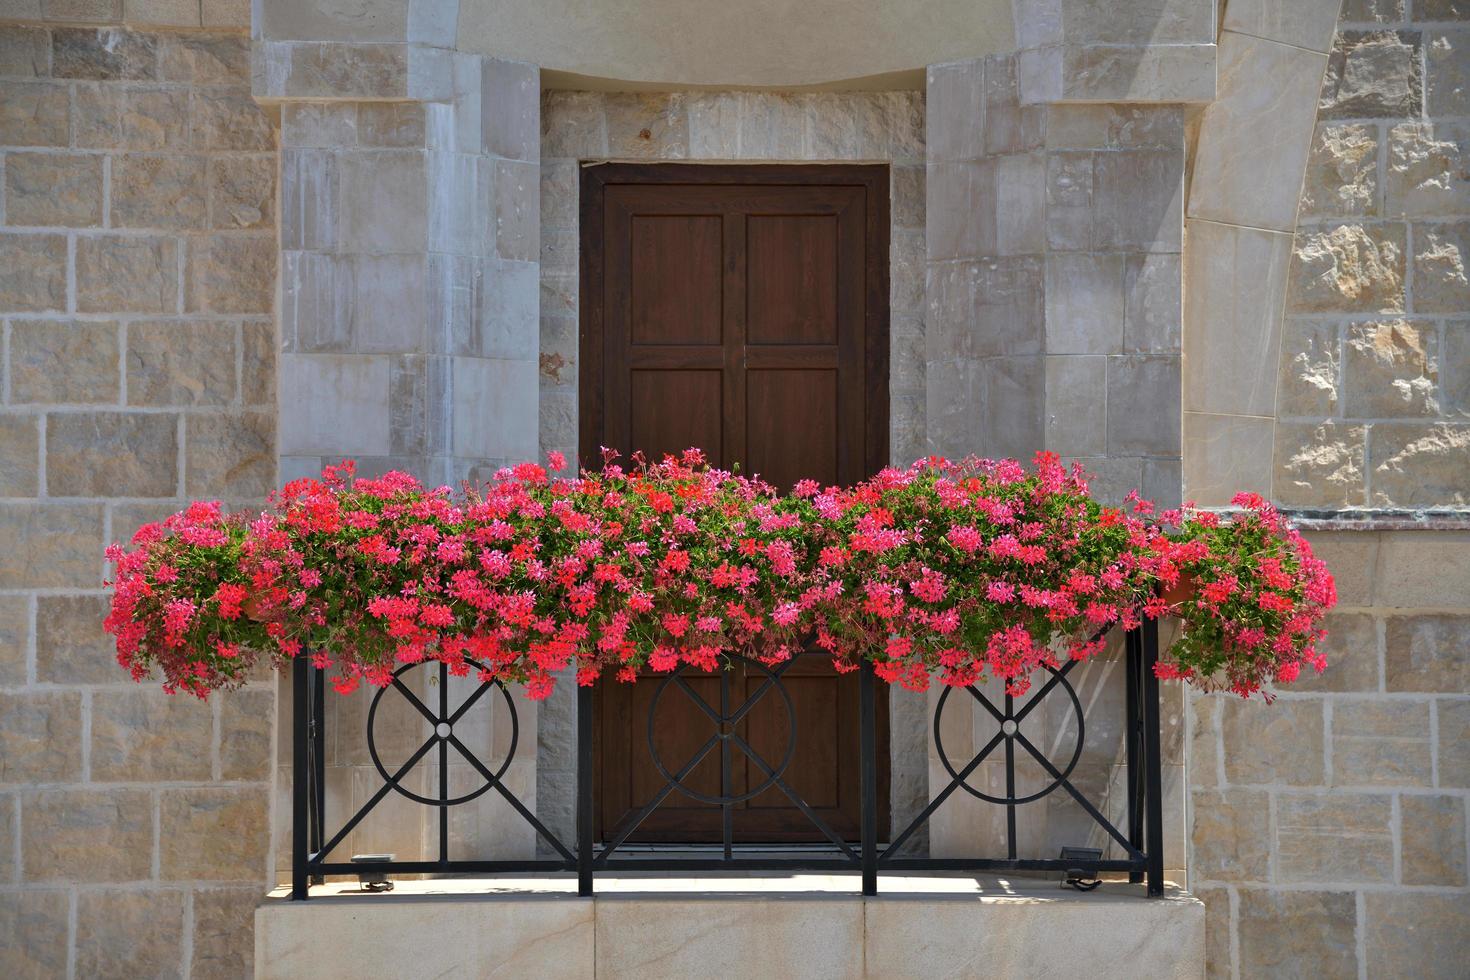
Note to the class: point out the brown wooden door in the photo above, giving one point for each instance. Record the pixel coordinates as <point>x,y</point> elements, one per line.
<point>742,310</point>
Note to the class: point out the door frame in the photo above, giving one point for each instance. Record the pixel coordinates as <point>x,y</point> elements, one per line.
<point>873,178</point>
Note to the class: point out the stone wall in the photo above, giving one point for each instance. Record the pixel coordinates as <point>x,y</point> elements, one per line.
<point>137,271</point>
<point>1329,828</point>
<point>1374,397</point>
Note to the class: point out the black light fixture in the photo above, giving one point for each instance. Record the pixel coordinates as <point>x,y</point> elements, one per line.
<point>1079,878</point>
<point>373,881</point>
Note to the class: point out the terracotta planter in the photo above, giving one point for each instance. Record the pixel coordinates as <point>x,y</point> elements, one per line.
<point>1183,590</point>
<point>251,608</point>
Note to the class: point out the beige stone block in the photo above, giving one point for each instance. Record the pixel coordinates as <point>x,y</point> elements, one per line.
<point>230,120</point>
<point>231,274</point>
<point>87,835</point>
<point>1427,169</point>
<point>143,734</point>
<point>20,443</point>
<point>32,272</point>
<point>572,125</point>
<point>1348,268</point>
<point>25,52</point>
<point>1448,82</point>
<point>1148,73</point>
<point>1373,74</point>
<point>55,361</point>
<point>164,13</point>
<point>1302,23</point>
<point>1310,382</point>
<point>71,647</point>
<point>113,117</point>
<point>33,934</point>
<point>181,363</point>
<point>258,367</point>
<point>1380,743</point>
<point>1351,648</point>
<point>89,11</point>
<point>130,933</point>
<point>111,454</point>
<point>15,630</point>
<point>50,545</point>
<point>1428,653</point>
<point>215,833</point>
<point>127,274</point>
<point>224,932</point>
<point>1233,342</point>
<point>41,739</point>
<point>1454,742</point>
<point>1273,743</point>
<point>1351,556</point>
<point>33,113</point>
<point>714,126</point>
<point>1218,959</point>
<point>1336,837</point>
<point>247,718</point>
<point>1420,465</point>
<point>159,191</point>
<point>1416,934</point>
<point>1441,255</point>
<point>1434,840</point>
<point>1342,171</point>
<point>361,71</point>
<point>772,126</point>
<point>108,54</point>
<point>1231,834</point>
<point>391,124</point>
<point>205,59</point>
<point>1204,741</point>
<point>384,197</point>
<point>1253,138</point>
<point>1423,569</point>
<point>1138,199</point>
<point>230,455</point>
<point>1455,370</point>
<point>53,189</point>
<point>1297,934</point>
<point>1319,465</point>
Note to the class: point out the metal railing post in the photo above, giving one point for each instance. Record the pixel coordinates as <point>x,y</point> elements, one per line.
<point>868,750</point>
<point>300,774</point>
<point>1152,760</point>
<point>584,791</point>
<point>1132,732</point>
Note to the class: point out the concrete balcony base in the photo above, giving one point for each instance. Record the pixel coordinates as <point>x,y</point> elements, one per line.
<point>730,926</point>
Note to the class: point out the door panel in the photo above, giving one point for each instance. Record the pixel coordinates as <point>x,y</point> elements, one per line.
<point>742,310</point>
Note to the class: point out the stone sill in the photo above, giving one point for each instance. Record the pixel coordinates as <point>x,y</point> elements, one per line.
<point>732,925</point>
<point>1380,520</point>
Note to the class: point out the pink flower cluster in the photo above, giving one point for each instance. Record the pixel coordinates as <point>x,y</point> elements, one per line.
<point>954,570</point>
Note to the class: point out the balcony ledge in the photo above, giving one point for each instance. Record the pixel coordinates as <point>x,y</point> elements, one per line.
<point>730,925</point>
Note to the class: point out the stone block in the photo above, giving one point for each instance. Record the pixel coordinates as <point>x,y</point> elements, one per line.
<point>309,184</point>
<point>1455,370</point>
<point>1084,303</point>
<point>1441,254</point>
<point>1232,349</point>
<point>1417,934</point>
<point>1143,73</point>
<point>1297,934</point>
<point>1273,743</point>
<point>41,739</point>
<point>1252,143</point>
<point>163,13</point>
<point>308,125</point>
<point>510,109</point>
<point>114,117</point>
<point>1334,837</point>
<point>1428,169</point>
<point>33,934</point>
<point>714,127</point>
<point>1351,648</point>
<point>231,274</point>
<point>63,361</point>
<point>1138,200</point>
<point>230,120</point>
<point>242,192</point>
<point>1420,465</point>
<point>1204,742</point>
<point>213,833</point>
<point>1373,74</point>
<point>516,216</point>
<point>960,212</point>
<point>494,411</point>
<point>230,455</point>
<point>1310,383</point>
<point>258,364</point>
<point>1433,840</point>
<point>32,272</point>
<point>1143,405</point>
<point>127,274</point>
<point>1152,294</point>
<point>906,191</point>
<point>53,189</point>
<point>1373,11</point>
<point>181,363</point>
<point>1218,958</point>
<point>907,260</point>
<point>1232,835</point>
<point>1224,454</point>
<point>906,123</point>
<point>384,197</point>
<point>129,933</point>
<point>1348,268</point>
<point>20,444</point>
<point>1448,81</point>
<point>224,932</point>
<point>111,454</point>
<point>1422,569</point>
<point>87,835</point>
<point>1380,743</point>
<point>50,545</point>
<point>1074,426</point>
<point>1390,369</point>
<point>1319,464</point>
<point>88,11</point>
<point>145,735</point>
<point>1304,25</point>
<point>205,59</point>
<point>772,126</point>
<point>247,719</point>
<point>105,54</point>
<point>71,647</point>
<point>1342,171</point>
<point>33,113</point>
<point>335,405</point>
<point>1427,653</point>
<point>15,630</point>
<point>159,191</point>
<point>25,52</point>
<point>572,124</point>
<point>955,99</point>
<point>1454,743</point>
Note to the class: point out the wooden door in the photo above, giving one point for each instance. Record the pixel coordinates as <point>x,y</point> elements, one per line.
<point>742,310</point>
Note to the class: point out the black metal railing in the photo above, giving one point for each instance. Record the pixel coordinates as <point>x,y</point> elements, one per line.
<point>1140,841</point>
